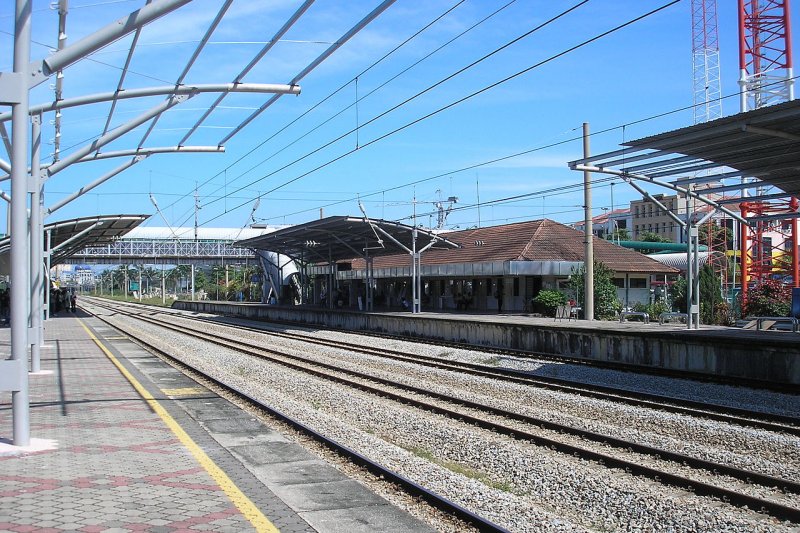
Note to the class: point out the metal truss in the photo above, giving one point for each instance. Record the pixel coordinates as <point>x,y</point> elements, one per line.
<point>705,61</point>
<point>765,59</point>
<point>27,182</point>
<point>144,250</point>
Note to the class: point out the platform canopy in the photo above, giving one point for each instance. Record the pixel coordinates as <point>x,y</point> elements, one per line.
<point>69,237</point>
<point>763,143</point>
<point>340,238</point>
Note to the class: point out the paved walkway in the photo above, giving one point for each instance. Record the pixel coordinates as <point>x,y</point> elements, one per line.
<point>123,442</point>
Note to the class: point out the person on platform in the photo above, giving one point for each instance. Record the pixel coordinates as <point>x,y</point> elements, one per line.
<point>73,300</point>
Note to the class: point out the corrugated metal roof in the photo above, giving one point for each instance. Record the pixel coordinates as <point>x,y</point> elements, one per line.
<point>679,260</point>
<point>763,143</point>
<point>343,238</point>
<point>85,232</point>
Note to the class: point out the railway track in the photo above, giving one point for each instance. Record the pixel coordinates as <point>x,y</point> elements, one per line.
<point>485,416</point>
<point>560,358</point>
<point>375,468</point>
<point>720,413</point>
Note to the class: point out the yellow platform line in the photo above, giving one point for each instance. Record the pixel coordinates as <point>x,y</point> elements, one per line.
<point>239,499</point>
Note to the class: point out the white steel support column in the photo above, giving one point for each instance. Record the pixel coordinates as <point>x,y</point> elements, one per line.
<point>418,280</point>
<point>696,270</point>
<point>36,231</point>
<point>370,281</point>
<point>140,283</point>
<point>692,277</point>
<point>193,281</point>
<point>19,223</point>
<point>689,277</point>
<point>414,295</point>
<point>48,242</point>
<point>588,296</point>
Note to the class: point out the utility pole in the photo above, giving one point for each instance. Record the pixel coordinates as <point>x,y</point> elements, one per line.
<point>196,209</point>
<point>588,279</point>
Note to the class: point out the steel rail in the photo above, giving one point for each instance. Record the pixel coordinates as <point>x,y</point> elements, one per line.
<point>773,508</point>
<point>413,488</point>
<point>717,412</point>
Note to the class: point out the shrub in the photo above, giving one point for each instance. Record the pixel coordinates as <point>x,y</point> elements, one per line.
<point>770,298</point>
<point>606,304</point>
<point>547,301</point>
<point>654,309</point>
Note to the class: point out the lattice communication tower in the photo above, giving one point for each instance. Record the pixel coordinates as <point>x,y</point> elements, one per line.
<point>705,61</point>
<point>765,53</point>
<point>769,248</point>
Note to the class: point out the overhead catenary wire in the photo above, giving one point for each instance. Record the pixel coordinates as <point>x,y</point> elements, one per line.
<point>417,95</point>
<point>451,104</point>
<point>511,156</point>
<point>370,93</point>
<point>333,93</point>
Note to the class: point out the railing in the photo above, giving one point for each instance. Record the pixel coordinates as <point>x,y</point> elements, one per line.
<point>760,320</point>
<point>625,314</point>
<point>569,312</point>
<point>663,317</point>
<point>169,248</point>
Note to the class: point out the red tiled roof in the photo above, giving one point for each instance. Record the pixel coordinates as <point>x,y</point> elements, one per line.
<point>535,240</point>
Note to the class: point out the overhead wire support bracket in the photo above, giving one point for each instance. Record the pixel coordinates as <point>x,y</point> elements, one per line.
<point>642,177</point>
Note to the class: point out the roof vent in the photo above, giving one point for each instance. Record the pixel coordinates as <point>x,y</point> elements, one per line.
<point>480,243</point>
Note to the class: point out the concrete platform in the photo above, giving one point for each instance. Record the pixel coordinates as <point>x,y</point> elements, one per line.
<point>772,357</point>
<point>123,442</point>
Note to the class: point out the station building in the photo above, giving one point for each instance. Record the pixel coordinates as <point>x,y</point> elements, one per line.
<point>500,265</point>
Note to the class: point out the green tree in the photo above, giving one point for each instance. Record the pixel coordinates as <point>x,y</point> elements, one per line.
<point>679,295</point>
<point>606,304</point>
<point>619,234</point>
<point>649,236</point>
<point>713,308</point>
<point>710,294</point>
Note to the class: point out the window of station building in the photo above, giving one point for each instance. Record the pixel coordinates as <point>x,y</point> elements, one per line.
<point>637,283</point>
<point>516,287</point>
<point>619,283</point>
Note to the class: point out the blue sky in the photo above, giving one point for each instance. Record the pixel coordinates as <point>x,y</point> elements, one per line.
<point>296,156</point>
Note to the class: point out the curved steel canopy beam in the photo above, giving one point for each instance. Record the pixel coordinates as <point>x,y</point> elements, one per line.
<point>133,152</point>
<point>314,64</point>
<point>253,62</point>
<point>99,181</point>
<point>164,90</point>
<point>145,152</point>
<point>643,177</point>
